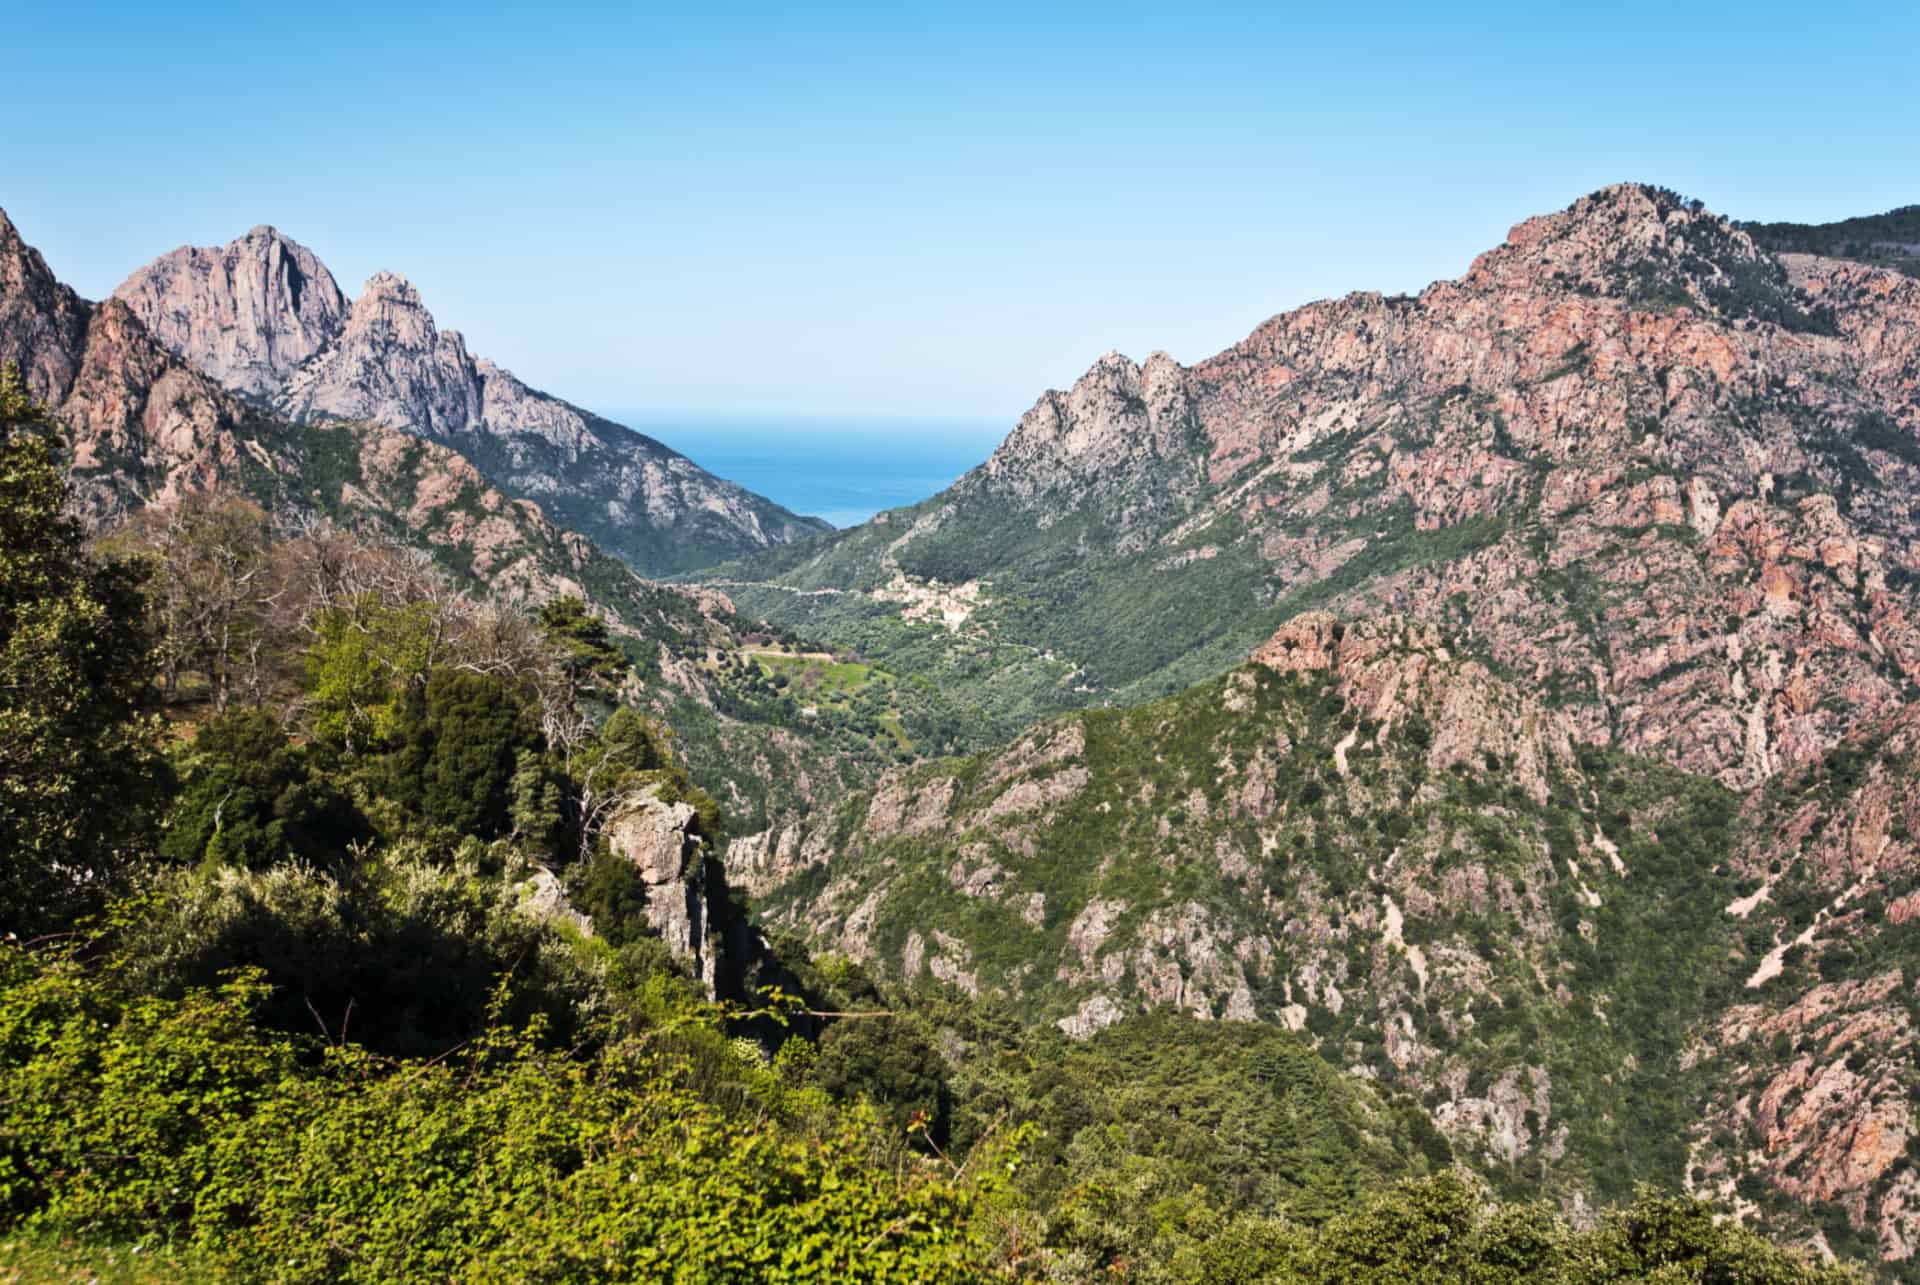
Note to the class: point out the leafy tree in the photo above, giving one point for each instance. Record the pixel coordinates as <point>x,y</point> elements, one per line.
<point>890,1063</point>
<point>588,654</point>
<point>628,752</point>
<point>460,742</point>
<point>362,661</point>
<point>539,804</point>
<point>609,888</point>
<point>78,768</point>
<point>249,798</point>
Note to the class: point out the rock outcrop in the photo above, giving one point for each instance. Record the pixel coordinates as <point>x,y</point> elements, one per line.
<point>1811,1075</point>
<point>689,905</point>
<point>43,325</point>
<point>390,364</point>
<point>1390,670</point>
<point>658,839</point>
<point>263,317</point>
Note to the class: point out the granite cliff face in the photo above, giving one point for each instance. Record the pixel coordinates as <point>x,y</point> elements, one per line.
<point>390,364</point>
<point>248,314</point>
<point>141,424</point>
<point>1666,475</point>
<point>263,317</point>
<point>43,325</point>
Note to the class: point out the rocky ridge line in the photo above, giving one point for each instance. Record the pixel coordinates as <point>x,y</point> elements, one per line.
<point>263,317</point>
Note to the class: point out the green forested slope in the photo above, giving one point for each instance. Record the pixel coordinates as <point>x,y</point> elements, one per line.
<point>1407,862</point>
<point>1888,240</point>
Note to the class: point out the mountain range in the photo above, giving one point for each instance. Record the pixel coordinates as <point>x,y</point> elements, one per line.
<point>1658,472</point>
<point>1507,692</point>
<point>145,426</point>
<point>1509,688</point>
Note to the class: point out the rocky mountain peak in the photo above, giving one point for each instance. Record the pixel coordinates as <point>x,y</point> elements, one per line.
<point>390,287</point>
<point>1649,246</point>
<point>1630,454</point>
<point>1118,418</point>
<point>390,306</point>
<point>1625,220</point>
<point>247,313</point>
<point>264,317</point>
<point>42,323</point>
<point>391,364</point>
<point>11,246</point>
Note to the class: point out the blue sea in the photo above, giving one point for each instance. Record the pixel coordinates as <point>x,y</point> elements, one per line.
<point>842,470</point>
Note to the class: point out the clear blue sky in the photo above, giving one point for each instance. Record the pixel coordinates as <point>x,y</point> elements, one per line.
<point>914,210</point>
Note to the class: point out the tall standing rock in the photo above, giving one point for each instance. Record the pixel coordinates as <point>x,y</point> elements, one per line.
<point>658,839</point>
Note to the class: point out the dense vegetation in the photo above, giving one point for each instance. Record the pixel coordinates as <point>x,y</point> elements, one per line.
<point>279,1002</point>
<point>74,669</point>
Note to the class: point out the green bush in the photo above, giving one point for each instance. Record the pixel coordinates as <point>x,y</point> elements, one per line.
<point>402,955</point>
<point>458,747</point>
<point>249,798</point>
<point>1439,1231</point>
<point>887,1062</point>
<point>180,1121</point>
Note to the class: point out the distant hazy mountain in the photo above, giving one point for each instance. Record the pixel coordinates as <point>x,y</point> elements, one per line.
<point>263,317</point>
<point>145,426</point>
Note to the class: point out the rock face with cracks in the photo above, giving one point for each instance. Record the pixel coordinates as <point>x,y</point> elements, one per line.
<point>1811,1069</point>
<point>658,839</point>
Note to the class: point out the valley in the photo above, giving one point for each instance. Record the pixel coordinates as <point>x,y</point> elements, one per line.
<point>1446,762</point>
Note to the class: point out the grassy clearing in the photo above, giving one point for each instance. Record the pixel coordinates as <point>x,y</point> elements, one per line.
<point>827,678</point>
<point>52,1260</point>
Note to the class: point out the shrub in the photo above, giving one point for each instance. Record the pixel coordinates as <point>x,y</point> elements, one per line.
<point>178,1120</point>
